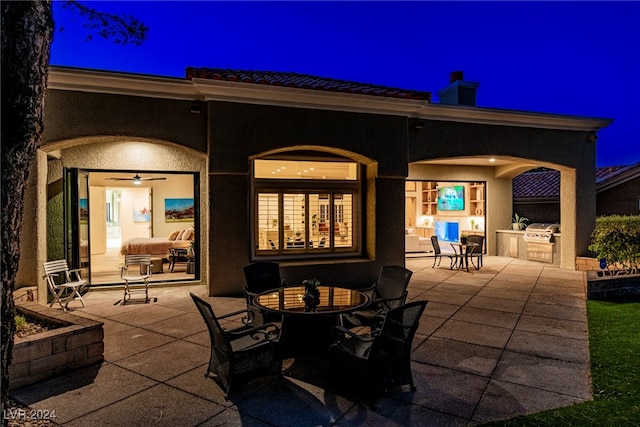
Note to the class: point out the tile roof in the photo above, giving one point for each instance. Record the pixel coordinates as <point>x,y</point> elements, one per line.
<point>603,174</point>
<point>536,184</point>
<point>303,81</point>
<point>531,185</point>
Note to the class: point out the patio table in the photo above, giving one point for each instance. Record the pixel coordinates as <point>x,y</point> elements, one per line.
<point>309,331</point>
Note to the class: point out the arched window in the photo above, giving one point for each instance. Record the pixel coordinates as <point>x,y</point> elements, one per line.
<point>306,207</point>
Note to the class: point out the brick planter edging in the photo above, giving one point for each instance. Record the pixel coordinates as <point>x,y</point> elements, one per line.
<point>77,343</point>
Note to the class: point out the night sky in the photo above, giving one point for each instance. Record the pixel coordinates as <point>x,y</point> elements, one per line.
<point>575,58</point>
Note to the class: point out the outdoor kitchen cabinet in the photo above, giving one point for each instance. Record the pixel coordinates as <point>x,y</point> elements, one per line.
<point>510,243</point>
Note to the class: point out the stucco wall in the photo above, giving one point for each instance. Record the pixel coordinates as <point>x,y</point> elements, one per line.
<point>110,153</point>
<point>70,115</point>
<point>571,152</point>
<point>83,122</point>
<point>621,199</point>
<point>538,211</point>
<point>241,132</point>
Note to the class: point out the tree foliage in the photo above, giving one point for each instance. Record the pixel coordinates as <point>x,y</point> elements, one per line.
<point>616,238</point>
<point>121,29</point>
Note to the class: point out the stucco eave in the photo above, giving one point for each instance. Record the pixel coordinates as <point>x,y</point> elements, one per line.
<point>510,118</point>
<point>628,175</point>
<point>81,80</point>
<point>216,90</point>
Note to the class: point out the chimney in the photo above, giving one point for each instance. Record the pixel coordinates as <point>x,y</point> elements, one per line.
<point>458,92</point>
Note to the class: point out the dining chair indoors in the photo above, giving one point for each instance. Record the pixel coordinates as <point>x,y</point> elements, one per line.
<point>136,272</point>
<point>65,284</point>
<point>241,353</point>
<point>380,361</point>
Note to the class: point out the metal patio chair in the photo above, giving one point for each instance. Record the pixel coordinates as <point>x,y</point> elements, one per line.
<point>64,284</point>
<point>438,254</point>
<point>380,361</point>
<point>241,352</point>
<point>136,272</point>
<point>476,251</point>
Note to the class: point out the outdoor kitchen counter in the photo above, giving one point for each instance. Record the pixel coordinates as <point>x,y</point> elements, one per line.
<point>511,243</point>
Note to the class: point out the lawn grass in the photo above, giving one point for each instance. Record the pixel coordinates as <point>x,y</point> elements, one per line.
<point>614,345</point>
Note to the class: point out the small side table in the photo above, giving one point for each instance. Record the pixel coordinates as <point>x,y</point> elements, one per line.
<point>156,265</point>
<point>177,255</point>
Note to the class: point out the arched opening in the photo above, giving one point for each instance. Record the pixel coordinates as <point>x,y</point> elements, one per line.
<point>308,203</point>
<point>113,201</point>
<point>495,175</point>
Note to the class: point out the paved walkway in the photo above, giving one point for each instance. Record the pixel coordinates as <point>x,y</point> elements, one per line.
<point>506,340</point>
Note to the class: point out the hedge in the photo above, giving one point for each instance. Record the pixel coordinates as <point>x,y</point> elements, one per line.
<point>616,238</point>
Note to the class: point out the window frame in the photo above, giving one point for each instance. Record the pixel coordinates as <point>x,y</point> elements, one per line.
<point>307,187</point>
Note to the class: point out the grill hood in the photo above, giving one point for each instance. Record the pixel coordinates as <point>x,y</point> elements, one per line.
<point>543,227</point>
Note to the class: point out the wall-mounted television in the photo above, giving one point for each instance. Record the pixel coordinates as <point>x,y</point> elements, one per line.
<point>451,198</point>
<point>447,231</point>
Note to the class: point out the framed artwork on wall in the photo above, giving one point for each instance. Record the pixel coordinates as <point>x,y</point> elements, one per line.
<point>178,210</point>
<point>141,212</point>
<point>84,211</point>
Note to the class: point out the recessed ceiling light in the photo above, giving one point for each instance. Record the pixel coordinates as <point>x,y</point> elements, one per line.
<point>492,160</point>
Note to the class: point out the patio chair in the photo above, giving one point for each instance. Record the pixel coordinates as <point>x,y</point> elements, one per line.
<point>476,251</point>
<point>136,272</point>
<point>379,361</point>
<point>438,254</point>
<point>260,277</point>
<point>389,291</point>
<point>64,284</point>
<point>241,352</point>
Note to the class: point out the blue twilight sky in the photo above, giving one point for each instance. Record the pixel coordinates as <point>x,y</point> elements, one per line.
<point>577,58</point>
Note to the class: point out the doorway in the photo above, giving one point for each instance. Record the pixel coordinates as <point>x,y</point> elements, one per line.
<point>130,216</point>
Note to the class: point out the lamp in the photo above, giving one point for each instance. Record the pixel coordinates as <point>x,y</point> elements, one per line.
<point>196,108</point>
<point>418,124</point>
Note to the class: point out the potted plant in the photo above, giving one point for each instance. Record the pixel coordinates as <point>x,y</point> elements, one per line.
<point>518,222</point>
<point>311,296</point>
<point>463,239</point>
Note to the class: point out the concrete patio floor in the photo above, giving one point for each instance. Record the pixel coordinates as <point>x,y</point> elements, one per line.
<point>506,340</point>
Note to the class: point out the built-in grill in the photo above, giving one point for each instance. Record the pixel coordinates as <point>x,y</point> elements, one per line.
<point>539,239</point>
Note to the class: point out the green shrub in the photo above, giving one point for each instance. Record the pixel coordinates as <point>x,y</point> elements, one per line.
<point>616,238</point>
<point>21,322</point>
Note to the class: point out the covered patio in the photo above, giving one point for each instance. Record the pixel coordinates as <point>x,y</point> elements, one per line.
<point>506,340</point>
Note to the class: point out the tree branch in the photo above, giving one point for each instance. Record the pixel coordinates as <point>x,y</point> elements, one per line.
<point>122,29</point>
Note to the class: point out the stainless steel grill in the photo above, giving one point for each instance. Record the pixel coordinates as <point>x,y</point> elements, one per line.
<point>539,239</point>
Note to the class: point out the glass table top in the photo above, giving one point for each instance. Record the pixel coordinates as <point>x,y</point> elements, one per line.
<point>333,300</point>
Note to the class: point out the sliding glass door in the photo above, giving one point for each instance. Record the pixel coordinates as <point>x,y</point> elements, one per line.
<point>76,219</point>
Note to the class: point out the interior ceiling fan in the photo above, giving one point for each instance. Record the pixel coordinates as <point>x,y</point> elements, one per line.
<point>137,179</point>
